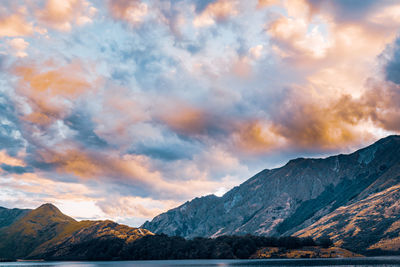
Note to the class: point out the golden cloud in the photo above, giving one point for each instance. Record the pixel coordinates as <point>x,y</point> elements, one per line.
<point>49,89</point>
<point>15,25</point>
<point>62,14</point>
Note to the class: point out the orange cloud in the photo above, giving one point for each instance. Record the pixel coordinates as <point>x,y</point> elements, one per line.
<point>257,137</point>
<point>62,14</point>
<point>15,25</point>
<point>242,67</point>
<point>22,19</point>
<point>131,11</point>
<point>49,89</point>
<point>266,3</point>
<point>18,46</point>
<point>186,119</point>
<point>88,165</point>
<point>294,40</point>
<point>6,159</point>
<point>131,169</point>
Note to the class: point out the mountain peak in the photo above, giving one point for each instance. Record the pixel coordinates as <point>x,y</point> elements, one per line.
<point>46,214</point>
<point>48,207</point>
<point>286,199</point>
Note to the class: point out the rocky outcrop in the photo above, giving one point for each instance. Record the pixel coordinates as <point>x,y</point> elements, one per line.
<point>285,200</point>
<point>367,225</point>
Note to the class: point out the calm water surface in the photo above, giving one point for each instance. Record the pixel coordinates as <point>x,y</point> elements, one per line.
<point>360,262</point>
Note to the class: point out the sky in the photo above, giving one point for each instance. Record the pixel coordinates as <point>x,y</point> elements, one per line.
<point>124,109</point>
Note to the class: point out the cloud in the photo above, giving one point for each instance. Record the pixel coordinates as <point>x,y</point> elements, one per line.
<point>216,12</point>
<point>381,103</point>
<point>348,11</point>
<point>15,169</point>
<point>49,89</point>
<point>266,3</point>
<point>84,127</point>
<point>63,14</point>
<point>11,138</point>
<point>132,12</point>
<point>13,22</point>
<point>26,19</point>
<point>292,38</point>
<point>18,45</point>
<point>183,98</point>
<point>257,137</point>
<point>392,66</point>
<point>9,160</point>
<point>187,120</point>
<point>125,207</point>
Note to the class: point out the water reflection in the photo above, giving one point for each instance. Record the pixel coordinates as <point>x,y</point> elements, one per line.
<point>359,262</point>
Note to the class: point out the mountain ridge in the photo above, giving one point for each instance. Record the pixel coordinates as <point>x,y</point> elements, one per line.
<point>45,232</point>
<point>284,200</point>
<point>8,216</point>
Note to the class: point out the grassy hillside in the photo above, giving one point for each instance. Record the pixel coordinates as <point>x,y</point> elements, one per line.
<point>46,231</point>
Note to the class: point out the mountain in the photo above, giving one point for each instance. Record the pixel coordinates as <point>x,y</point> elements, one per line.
<point>304,197</point>
<point>46,232</point>
<point>8,216</point>
<point>95,240</point>
<point>371,224</point>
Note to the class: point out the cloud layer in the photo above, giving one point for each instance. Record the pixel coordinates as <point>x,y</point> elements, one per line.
<point>123,109</point>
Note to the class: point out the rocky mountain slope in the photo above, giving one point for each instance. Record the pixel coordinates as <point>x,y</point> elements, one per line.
<point>8,216</point>
<point>47,233</point>
<point>303,194</point>
<point>370,224</point>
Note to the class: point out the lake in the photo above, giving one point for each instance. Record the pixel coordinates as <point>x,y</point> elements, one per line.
<point>361,262</point>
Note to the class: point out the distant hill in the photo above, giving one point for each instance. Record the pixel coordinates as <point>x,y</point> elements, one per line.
<point>45,232</point>
<point>352,198</point>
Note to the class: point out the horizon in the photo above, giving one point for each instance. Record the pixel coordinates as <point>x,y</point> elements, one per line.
<point>139,226</point>
<point>122,110</point>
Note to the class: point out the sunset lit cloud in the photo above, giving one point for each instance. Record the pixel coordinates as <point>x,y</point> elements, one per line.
<point>124,109</point>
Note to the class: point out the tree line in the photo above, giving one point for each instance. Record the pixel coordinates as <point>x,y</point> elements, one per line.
<point>163,247</point>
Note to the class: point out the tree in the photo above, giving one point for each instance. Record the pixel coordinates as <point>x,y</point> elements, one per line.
<point>325,242</point>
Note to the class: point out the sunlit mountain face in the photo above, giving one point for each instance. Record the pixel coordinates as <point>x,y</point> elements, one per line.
<point>124,109</point>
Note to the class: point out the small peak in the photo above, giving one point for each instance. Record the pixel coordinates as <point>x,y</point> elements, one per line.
<point>49,210</point>
<point>48,207</point>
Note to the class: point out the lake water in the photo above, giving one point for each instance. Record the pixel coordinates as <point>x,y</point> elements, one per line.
<point>360,262</point>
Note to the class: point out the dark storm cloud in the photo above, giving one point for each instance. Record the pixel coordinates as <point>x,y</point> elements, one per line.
<point>10,136</point>
<point>82,123</point>
<point>348,10</point>
<point>392,68</point>
<point>16,169</point>
<point>168,150</point>
<point>202,4</point>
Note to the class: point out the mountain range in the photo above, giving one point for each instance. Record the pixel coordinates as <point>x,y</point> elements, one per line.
<point>47,233</point>
<point>353,199</point>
